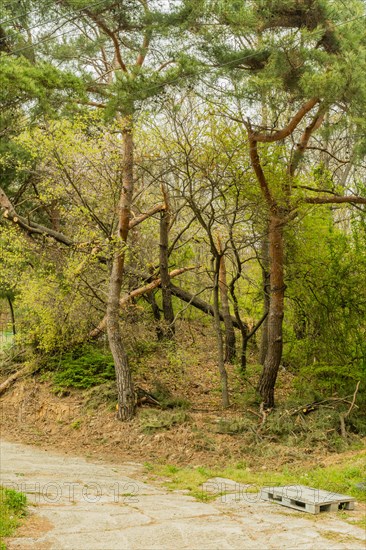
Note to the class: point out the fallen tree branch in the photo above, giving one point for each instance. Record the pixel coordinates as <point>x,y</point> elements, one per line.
<point>135,294</point>
<point>14,377</point>
<point>353,399</point>
<point>198,303</point>
<point>191,299</point>
<point>30,227</point>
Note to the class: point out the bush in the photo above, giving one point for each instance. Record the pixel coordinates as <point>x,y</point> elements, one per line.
<point>82,368</point>
<point>327,379</point>
<point>15,501</point>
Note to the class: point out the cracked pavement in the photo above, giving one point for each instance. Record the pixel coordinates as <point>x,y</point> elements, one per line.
<point>79,504</point>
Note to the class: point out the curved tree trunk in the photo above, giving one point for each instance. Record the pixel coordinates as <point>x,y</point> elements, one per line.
<point>125,389</point>
<point>276,311</point>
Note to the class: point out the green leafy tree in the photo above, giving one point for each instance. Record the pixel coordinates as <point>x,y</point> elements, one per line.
<point>300,60</point>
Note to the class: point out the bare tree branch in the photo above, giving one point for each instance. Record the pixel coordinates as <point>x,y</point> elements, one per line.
<point>351,199</point>
<point>287,130</point>
<point>138,219</point>
<point>30,227</point>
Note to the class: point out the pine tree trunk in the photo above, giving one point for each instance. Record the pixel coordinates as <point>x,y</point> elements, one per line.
<point>220,346</point>
<point>230,351</point>
<point>168,311</point>
<point>266,299</point>
<point>125,389</point>
<point>276,311</point>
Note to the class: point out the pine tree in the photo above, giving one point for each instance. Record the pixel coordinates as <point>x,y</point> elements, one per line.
<point>298,59</point>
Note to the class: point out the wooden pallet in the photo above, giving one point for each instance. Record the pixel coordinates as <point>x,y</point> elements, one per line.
<point>307,499</point>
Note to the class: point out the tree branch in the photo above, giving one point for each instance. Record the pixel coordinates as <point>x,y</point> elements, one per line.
<point>30,227</point>
<point>256,164</point>
<point>302,145</point>
<point>287,130</point>
<point>143,51</point>
<point>102,25</point>
<point>198,303</point>
<point>138,219</point>
<point>351,199</point>
<point>135,294</point>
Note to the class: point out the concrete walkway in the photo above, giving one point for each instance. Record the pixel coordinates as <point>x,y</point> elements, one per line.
<point>81,505</point>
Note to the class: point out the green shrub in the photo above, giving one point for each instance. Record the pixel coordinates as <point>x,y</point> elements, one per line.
<point>328,379</point>
<point>319,428</point>
<point>15,501</point>
<point>82,368</point>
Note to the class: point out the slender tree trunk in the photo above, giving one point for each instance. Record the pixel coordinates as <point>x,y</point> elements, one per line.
<point>230,351</point>
<point>220,346</point>
<point>243,327</point>
<point>125,388</point>
<point>10,302</point>
<point>150,296</point>
<point>243,355</point>
<point>266,298</point>
<point>276,311</point>
<point>168,311</point>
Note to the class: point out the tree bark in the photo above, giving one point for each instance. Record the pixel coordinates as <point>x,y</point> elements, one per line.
<point>220,345</point>
<point>168,312</point>
<point>10,302</point>
<point>230,341</point>
<point>150,297</point>
<point>124,382</point>
<point>276,310</point>
<point>14,377</point>
<point>266,299</point>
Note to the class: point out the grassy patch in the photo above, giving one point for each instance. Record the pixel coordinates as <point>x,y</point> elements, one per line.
<point>339,537</point>
<point>339,478</point>
<point>12,509</point>
<point>152,420</point>
<point>358,522</point>
<point>167,401</point>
